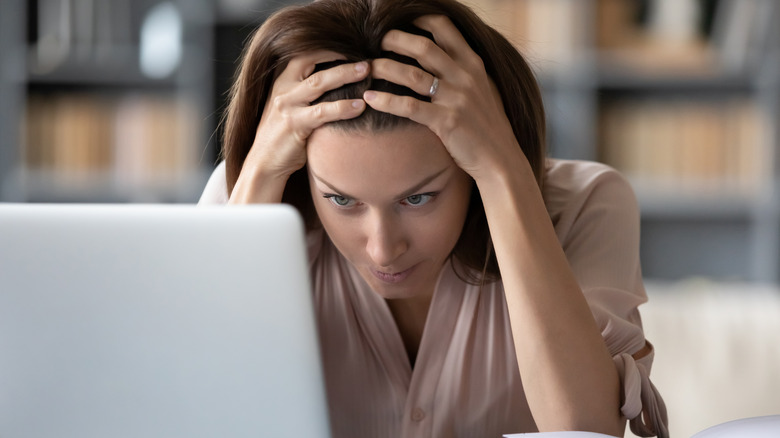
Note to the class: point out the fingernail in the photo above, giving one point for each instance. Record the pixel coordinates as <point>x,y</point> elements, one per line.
<point>369,95</point>
<point>361,67</point>
<point>357,103</point>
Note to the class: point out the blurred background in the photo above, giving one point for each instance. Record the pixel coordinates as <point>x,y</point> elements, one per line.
<point>120,101</point>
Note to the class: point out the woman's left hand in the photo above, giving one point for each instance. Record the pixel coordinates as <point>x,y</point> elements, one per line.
<point>548,312</point>
<point>465,112</point>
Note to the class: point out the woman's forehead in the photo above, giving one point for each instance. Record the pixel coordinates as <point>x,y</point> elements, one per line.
<point>387,159</point>
<point>408,147</point>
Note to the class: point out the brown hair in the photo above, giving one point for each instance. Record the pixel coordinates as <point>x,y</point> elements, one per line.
<point>354,28</point>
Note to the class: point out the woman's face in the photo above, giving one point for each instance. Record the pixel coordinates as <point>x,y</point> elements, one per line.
<point>393,203</point>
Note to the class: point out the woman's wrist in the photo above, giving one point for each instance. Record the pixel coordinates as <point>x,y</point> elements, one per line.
<point>505,176</point>
<point>256,185</point>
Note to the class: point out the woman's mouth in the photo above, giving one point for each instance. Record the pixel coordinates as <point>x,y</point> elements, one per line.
<point>392,278</point>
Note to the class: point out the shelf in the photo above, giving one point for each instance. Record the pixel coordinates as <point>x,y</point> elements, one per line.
<point>121,69</point>
<point>693,207</point>
<point>103,186</point>
<point>614,78</point>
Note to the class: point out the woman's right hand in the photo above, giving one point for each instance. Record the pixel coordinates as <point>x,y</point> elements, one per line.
<point>288,119</point>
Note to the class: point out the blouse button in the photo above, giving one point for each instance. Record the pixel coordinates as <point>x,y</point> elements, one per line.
<point>418,414</point>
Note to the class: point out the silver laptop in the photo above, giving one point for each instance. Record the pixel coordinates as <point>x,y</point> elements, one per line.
<point>156,321</point>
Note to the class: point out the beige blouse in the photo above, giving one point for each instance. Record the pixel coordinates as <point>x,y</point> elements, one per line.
<point>465,381</point>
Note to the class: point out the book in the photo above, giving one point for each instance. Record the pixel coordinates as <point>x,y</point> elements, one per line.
<point>688,147</point>
<point>549,33</point>
<point>742,31</point>
<point>567,434</point>
<point>136,139</point>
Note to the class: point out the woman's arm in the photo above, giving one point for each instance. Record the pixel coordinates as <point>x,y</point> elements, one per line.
<point>570,380</point>
<point>279,147</point>
<point>574,383</point>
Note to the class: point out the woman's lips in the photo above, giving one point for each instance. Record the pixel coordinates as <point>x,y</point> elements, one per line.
<point>392,278</point>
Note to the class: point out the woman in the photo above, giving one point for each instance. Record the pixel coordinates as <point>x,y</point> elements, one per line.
<point>464,285</point>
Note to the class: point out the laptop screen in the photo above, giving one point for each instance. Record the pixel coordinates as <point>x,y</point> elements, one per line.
<point>152,321</point>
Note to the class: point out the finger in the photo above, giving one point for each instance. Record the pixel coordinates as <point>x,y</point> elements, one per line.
<point>403,74</point>
<point>446,35</point>
<point>430,56</point>
<point>417,110</point>
<point>449,38</point>
<point>318,83</point>
<point>312,117</point>
<point>300,67</point>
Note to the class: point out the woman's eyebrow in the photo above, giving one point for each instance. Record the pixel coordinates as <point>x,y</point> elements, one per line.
<point>425,181</point>
<point>330,186</point>
<point>406,193</point>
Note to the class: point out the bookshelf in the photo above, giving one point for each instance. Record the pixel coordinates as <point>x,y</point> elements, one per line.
<point>107,101</point>
<point>681,96</point>
<point>11,74</point>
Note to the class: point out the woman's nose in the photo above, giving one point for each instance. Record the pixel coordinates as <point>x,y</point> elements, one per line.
<point>386,241</point>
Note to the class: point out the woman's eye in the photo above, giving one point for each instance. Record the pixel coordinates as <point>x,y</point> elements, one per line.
<point>418,200</point>
<point>339,201</point>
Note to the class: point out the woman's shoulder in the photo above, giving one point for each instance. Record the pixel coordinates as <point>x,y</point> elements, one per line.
<point>578,175</point>
<point>582,191</point>
<point>215,191</point>
<point>578,182</point>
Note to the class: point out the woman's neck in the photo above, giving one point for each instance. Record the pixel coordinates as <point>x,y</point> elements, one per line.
<point>410,315</point>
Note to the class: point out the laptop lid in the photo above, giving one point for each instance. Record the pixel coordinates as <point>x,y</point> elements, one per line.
<point>156,321</point>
